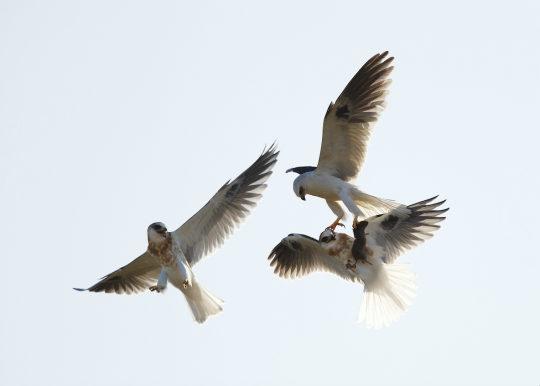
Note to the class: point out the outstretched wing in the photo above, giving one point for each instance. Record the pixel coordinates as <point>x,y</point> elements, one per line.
<point>299,255</point>
<point>211,226</point>
<point>349,122</point>
<point>396,233</point>
<point>135,277</point>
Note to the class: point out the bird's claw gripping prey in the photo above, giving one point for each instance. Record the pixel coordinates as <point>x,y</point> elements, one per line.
<point>185,284</point>
<point>157,288</point>
<point>349,265</point>
<point>347,128</point>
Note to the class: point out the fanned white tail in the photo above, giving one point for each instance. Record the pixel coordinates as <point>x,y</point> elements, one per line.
<point>201,303</point>
<point>387,295</point>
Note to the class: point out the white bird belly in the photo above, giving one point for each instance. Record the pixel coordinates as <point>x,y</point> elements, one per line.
<point>175,276</point>
<point>326,186</point>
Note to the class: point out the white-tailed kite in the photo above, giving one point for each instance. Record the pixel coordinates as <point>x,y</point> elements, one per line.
<point>347,129</point>
<point>388,287</point>
<point>171,255</point>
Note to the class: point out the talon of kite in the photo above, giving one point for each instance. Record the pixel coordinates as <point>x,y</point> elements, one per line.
<point>185,284</point>
<point>349,265</point>
<point>335,224</point>
<point>156,288</point>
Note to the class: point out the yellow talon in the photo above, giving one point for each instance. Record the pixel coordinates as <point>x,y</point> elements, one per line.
<point>157,288</point>
<point>349,265</point>
<point>335,224</point>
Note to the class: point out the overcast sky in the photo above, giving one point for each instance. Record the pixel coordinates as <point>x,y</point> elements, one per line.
<point>114,115</point>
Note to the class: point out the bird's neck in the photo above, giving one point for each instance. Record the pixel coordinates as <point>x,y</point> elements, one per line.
<point>160,246</point>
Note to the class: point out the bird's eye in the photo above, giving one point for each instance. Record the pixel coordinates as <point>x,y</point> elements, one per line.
<point>324,239</point>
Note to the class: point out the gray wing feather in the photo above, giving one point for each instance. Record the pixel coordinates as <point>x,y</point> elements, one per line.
<point>349,122</point>
<point>398,233</point>
<point>135,277</point>
<point>297,256</point>
<point>211,226</point>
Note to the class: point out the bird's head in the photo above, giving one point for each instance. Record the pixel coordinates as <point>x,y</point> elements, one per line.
<point>299,187</point>
<point>157,232</point>
<point>327,237</point>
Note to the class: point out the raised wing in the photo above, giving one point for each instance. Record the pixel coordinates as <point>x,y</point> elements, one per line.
<point>297,256</point>
<point>349,122</point>
<point>397,234</point>
<point>211,226</point>
<point>135,277</point>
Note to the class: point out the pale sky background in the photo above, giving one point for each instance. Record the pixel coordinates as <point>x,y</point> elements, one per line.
<point>115,115</point>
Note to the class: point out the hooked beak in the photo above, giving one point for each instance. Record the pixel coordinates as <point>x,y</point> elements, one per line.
<point>303,197</point>
<point>162,232</point>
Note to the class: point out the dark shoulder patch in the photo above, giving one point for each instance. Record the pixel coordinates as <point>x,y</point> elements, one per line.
<point>343,112</point>
<point>116,278</point>
<point>302,169</point>
<point>390,222</point>
<point>296,246</point>
<point>307,237</point>
<point>379,215</point>
<point>231,191</point>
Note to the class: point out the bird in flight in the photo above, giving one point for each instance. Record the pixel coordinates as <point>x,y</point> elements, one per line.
<point>369,260</point>
<point>171,256</point>
<point>347,129</point>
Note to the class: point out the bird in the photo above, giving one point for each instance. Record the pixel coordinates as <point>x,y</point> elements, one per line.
<point>347,128</point>
<point>388,287</point>
<point>170,256</point>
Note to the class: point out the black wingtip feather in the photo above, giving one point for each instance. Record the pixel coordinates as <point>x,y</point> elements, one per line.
<point>423,202</point>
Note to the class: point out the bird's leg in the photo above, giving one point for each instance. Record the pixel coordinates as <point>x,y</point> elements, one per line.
<point>157,288</point>
<point>355,222</point>
<point>335,224</point>
<point>185,284</point>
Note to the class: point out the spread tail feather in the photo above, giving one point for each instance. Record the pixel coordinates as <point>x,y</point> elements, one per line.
<point>389,297</point>
<point>371,205</point>
<point>201,303</point>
